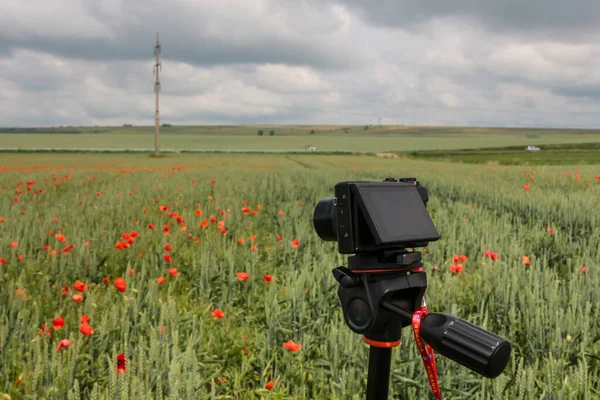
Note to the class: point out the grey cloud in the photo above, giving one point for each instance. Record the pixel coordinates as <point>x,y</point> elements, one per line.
<point>306,62</point>
<point>200,33</point>
<point>544,19</point>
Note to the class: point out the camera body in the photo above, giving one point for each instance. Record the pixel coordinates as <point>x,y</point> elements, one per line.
<point>366,217</point>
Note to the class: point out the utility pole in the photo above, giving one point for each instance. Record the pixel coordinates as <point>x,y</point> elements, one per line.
<point>157,67</point>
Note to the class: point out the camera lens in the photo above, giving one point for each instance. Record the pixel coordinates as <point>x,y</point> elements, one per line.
<point>324,220</point>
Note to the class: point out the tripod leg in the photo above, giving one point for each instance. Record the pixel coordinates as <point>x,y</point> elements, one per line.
<point>378,380</point>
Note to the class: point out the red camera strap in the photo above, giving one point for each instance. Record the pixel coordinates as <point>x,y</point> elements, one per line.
<point>426,352</point>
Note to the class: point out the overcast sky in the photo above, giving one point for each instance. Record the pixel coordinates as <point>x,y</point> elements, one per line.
<point>437,62</point>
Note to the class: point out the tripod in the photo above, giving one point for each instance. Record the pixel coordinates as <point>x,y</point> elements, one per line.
<point>380,294</point>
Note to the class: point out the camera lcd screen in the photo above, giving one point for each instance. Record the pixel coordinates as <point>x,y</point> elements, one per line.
<point>396,214</point>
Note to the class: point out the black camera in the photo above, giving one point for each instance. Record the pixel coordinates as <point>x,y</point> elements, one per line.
<point>365,217</point>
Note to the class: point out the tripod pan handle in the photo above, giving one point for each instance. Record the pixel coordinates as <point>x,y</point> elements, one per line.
<point>465,343</point>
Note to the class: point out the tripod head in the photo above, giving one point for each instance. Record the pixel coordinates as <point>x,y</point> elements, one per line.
<point>379,299</point>
<point>382,290</point>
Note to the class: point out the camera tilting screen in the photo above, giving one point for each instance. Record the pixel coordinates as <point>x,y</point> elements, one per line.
<point>396,214</point>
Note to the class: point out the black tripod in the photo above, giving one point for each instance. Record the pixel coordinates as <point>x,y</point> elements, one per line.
<point>379,294</point>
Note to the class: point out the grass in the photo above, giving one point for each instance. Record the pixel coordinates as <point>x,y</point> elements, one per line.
<point>561,154</point>
<point>175,348</point>
<point>328,138</point>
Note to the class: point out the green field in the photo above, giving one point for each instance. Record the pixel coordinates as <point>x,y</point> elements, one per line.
<point>175,348</point>
<point>552,154</point>
<point>325,138</point>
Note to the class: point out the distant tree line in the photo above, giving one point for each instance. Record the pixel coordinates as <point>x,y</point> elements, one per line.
<point>66,130</point>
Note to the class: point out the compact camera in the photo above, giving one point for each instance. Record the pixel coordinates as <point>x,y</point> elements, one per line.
<point>365,217</point>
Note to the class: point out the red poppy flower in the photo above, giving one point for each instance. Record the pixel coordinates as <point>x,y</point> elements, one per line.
<point>252,238</point>
<point>295,243</point>
<point>173,272</point>
<point>86,329</point>
<point>240,241</point>
<point>280,212</point>
<point>131,271</point>
<point>134,234</point>
<point>213,219</point>
<point>65,290</point>
<point>582,269</point>
<point>80,286</point>
<point>120,284</point>
<point>212,182</point>
<point>278,238</point>
<point>63,344</point>
<point>68,248</point>
<point>525,260</point>
<point>84,318</point>
<point>494,256</point>
<point>166,228</point>
<point>549,230</point>
<point>223,231</point>
<point>163,208</point>
<point>14,244</point>
<point>121,245</point>
<point>487,253</point>
<point>267,278</point>
<point>45,329</point>
<point>242,276</point>
<point>218,314</point>
<point>254,248</point>
<point>150,226</point>
<point>168,258</point>
<point>291,346</point>
<point>456,268</point>
<point>198,213</point>
<point>204,224</point>
<point>77,298</point>
<point>121,369</point>
<point>269,385</point>
<point>58,323</point>
<point>160,280</point>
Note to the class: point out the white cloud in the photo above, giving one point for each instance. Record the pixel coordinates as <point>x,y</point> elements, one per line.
<point>83,62</point>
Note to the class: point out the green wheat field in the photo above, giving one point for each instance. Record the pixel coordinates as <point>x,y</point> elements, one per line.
<point>193,271</point>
